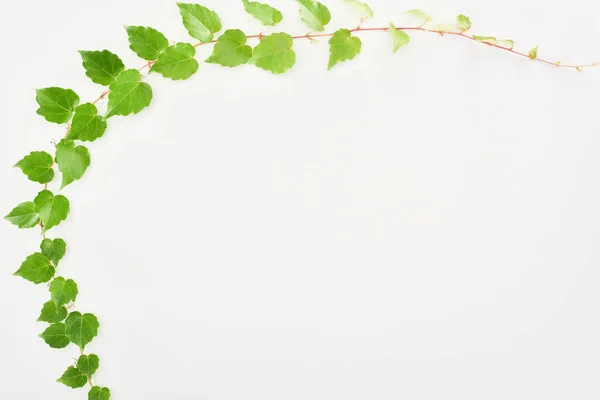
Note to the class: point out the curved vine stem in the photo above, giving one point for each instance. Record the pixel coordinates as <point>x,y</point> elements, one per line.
<point>311,36</point>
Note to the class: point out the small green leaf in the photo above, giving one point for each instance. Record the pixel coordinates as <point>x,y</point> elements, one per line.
<point>445,28</point>
<point>36,268</point>
<point>400,37</point>
<point>52,209</point>
<point>50,313</point>
<point>54,250</point>
<point>342,47</point>
<point>72,161</point>
<point>506,43</point>
<point>99,393</point>
<point>55,336</point>
<point>365,11</point>
<point>73,378</point>
<point>37,166</point>
<point>263,12</point>
<point>314,14</point>
<point>533,53</point>
<point>419,14</point>
<point>463,22</point>
<point>200,22</point>
<point>81,329</point>
<point>102,67</point>
<point>146,42</point>
<point>56,104</point>
<point>128,94</point>
<point>485,39</point>
<point>88,365</point>
<point>87,125</point>
<point>24,215</point>
<point>492,40</point>
<point>231,49</point>
<point>63,291</point>
<point>176,62</point>
<point>274,53</point>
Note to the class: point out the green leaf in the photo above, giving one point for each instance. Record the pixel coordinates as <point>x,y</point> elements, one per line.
<point>52,209</point>
<point>73,378</point>
<point>365,11</point>
<point>231,49</point>
<point>314,14</point>
<point>146,42</point>
<point>37,166</point>
<point>506,43</point>
<point>72,161</point>
<point>24,215</point>
<point>492,40</point>
<point>274,53</point>
<point>419,14</point>
<point>176,62</point>
<point>81,329</point>
<point>50,313</point>
<point>463,22</point>
<point>102,67</point>
<point>56,104</point>
<point>87,125</point>
<point>55,336</point>
<point>99,393</point>
<point>199,21</point>
<point>54,250</point>
<point>342,47</point>
<point>533,53</point>
<point>63,291</point>
<point>88,365</point>
<point>36,268</point>
<point>128,94</point>
<point>263,12</point>
<point>400,37</point>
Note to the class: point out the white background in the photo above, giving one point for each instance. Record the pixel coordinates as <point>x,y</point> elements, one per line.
<point>419,225</point>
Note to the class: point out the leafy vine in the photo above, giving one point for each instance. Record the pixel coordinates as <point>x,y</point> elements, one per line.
<point>128,94</point>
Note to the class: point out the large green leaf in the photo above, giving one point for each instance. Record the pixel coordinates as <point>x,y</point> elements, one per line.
<point>73,378</point>
<point>128,94</point>
<point>87,125</point>
<point>88,364</point>
<point>102,67</point>
<point>24,215</point>
<point>177,62</point>
<point>263,12</point>
<point>99,393</point>
<point>200,22</point>
<point>54,250</point>
<point>37,166</point>
<point>36,268</point>
<point>52,314</point>
<point>314,14</point>
<point>342,47</point>
<point>274,53</point>
<point>56,104</point>
<point>146,42</point>
<point>55,336</point>
<point>231,49</point>
<point>81,329</point>
<point>63,291</point>
<point>72,161</point>
<point>52,209</point>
